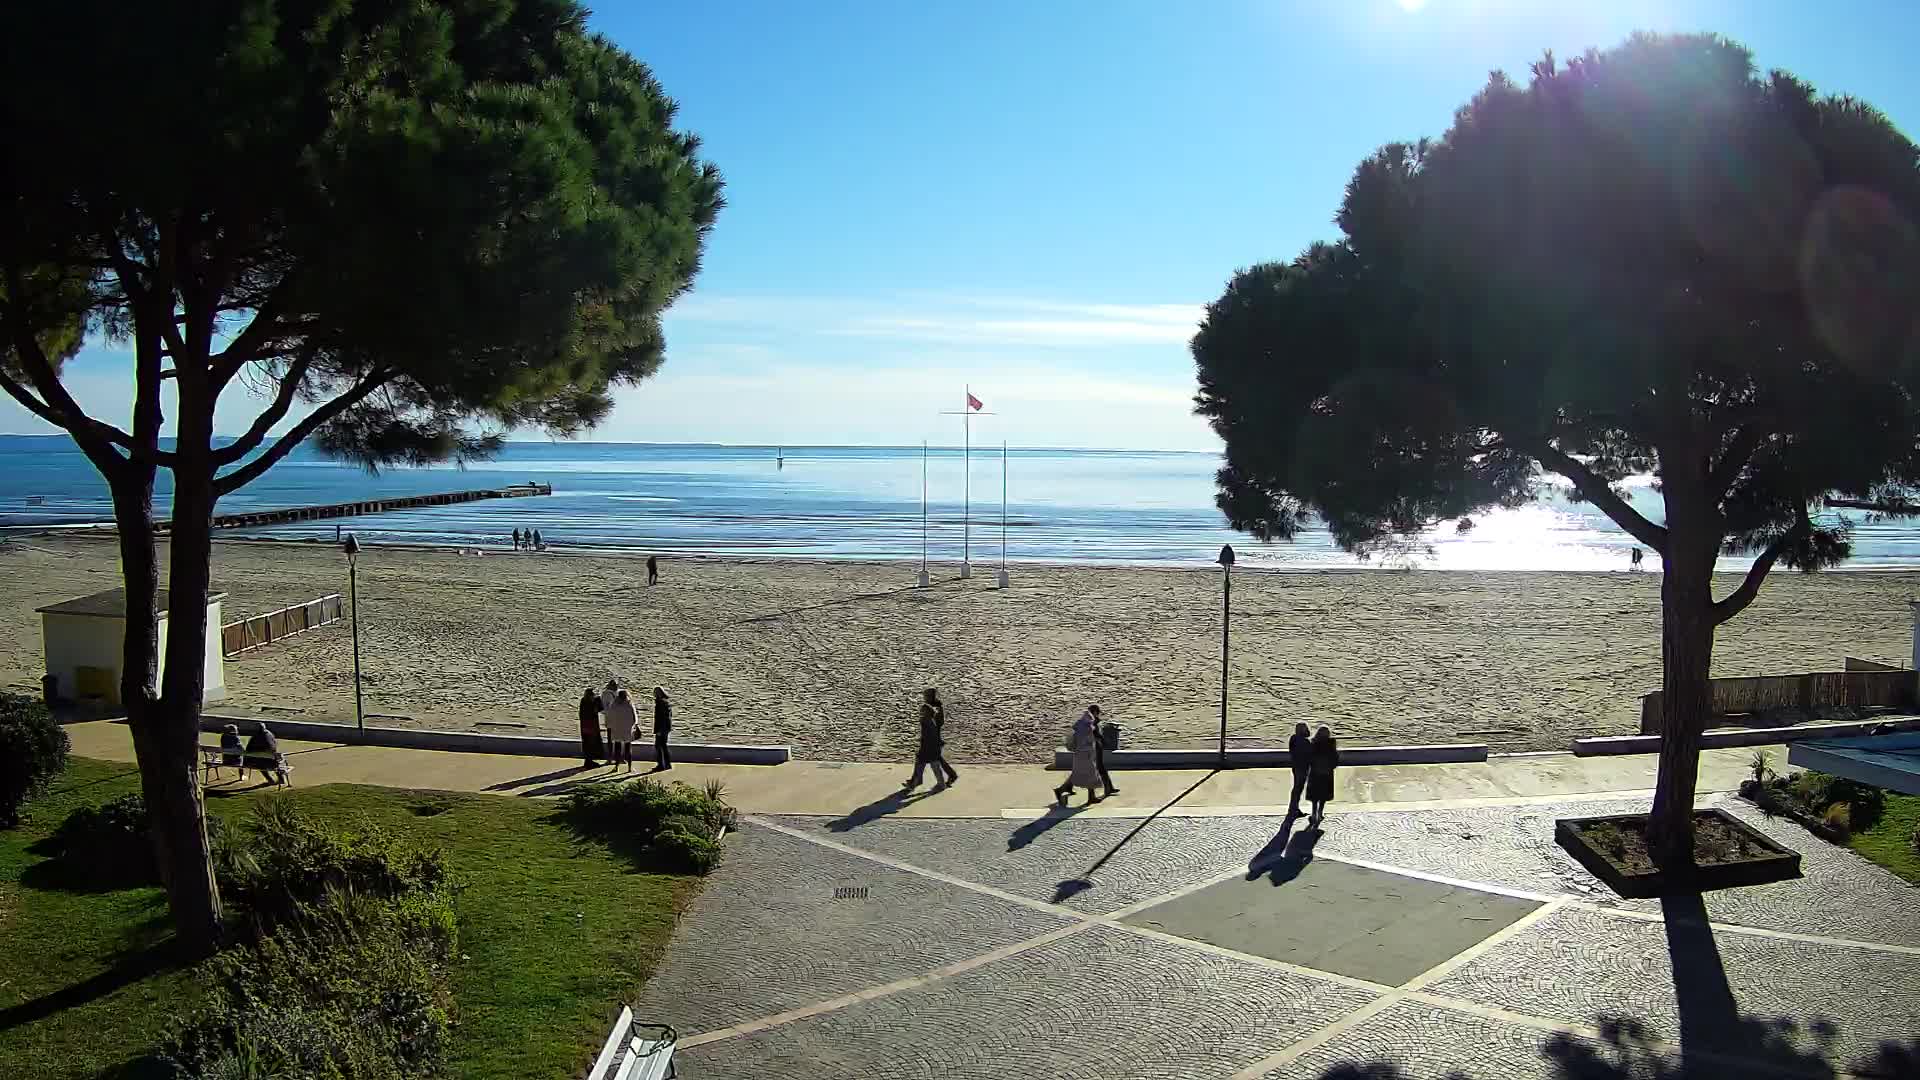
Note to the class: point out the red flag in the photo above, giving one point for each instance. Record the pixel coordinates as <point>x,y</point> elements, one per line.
<point>974,403</point>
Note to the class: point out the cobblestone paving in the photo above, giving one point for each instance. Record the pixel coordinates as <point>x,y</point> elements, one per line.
<point>1581,966</point>
<point>767,935</point>
<point>1098,1005</point>
<point>1061,858</point>
<point>1426,1042</point>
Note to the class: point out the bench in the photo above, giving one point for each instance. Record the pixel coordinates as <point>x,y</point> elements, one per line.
<point>635,1051</point>
<point>213,759</point>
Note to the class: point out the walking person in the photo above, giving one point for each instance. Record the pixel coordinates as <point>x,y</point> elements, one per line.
<point>591,747</point>
<point>653,570</point>
<point>621,720</point>
<point>1325,759</point>
<point>662,725</point>
<point>1084,743</point>
<point>933,741</point>
<point>1300,756</point>
<point>1107,738</point>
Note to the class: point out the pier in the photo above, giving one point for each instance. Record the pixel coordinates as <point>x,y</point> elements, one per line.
<point>367,506</point>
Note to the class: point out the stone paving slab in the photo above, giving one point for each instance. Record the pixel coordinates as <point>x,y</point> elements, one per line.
<point>1369,924</point>
<point>766,935</point>
<point>1101,1004</point>
<point>1417,1041</point>
<point>1581,967</point>
<point>1096,865</point>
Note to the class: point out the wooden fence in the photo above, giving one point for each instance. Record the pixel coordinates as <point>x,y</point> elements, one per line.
<point>1814,690</point>
<point>247,634</point>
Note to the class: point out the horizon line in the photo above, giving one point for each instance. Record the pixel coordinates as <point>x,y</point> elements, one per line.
<point>984,448</point>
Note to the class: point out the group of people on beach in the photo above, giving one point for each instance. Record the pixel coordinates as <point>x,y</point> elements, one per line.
<point>528,541</point>
<point>1313,756</point>
<point>622,717</point>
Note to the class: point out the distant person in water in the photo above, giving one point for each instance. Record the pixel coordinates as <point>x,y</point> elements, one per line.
<point>933,741</point>
<point>621,720</point>
<point>516,539</point>
<point>1325,759</point>
<point>662,726</point>
<point>1300,756</point>
<point>653,570</point>
<point>591,748</point>
<point>1083,742</point>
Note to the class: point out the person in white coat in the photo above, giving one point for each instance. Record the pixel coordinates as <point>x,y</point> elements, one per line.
<point>1085,744</point>
<point>621,720</point>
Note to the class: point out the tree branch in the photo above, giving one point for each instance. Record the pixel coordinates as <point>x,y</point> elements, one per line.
<point>251,471</point>
<point>1739,451</point>
<point>1600,493</point>
<point>1737,601</point>
<point>273,414</point>
<point>32,404</point>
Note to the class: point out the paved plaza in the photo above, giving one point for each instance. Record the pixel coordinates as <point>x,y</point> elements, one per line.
<point>1423,943</point>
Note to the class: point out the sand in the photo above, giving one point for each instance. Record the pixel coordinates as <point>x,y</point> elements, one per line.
<point>827,657</point>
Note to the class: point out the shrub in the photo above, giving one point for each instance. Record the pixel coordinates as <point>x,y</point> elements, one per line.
<point>1761,766</point>
<point>1839,818</point>
<point>109,845</point>
<point>33,750</point>
<point>346,975</point>
<point>685,852</point>
<point>1916,841</point>
<point>671,825</point>
<point>1818,792</point>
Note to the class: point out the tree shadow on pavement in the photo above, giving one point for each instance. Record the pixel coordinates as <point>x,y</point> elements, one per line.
<point>1075,886</point>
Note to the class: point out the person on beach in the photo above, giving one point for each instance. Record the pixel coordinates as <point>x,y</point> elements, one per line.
<point>538,544</point>
<point>1108,739</point>
<point>607,696</point>
<point>1084,743</point>
<point>590,746</point>
<point>621,720</point>
<point>1637,556</point>
<point>933,741</point>
<point>516,539</point>
<point>1325,758</point>
<point>662,726</point>
<point>1300,756</point>
<point>653,570</point>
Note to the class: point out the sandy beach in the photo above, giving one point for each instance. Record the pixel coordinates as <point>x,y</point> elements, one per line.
<point>827,656</point>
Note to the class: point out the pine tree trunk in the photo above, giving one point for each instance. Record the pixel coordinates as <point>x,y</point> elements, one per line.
<point>192,889</point>
<point>1686,655</point>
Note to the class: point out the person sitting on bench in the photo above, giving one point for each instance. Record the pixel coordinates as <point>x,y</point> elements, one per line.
<point>263,752</point>
<point>230,750</point>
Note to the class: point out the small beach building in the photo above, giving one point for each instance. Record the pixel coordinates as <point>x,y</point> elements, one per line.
<point>83,639</point>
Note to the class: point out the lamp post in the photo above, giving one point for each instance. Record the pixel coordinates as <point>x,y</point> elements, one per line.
<point>1226,623</point>
<point>352,547</point>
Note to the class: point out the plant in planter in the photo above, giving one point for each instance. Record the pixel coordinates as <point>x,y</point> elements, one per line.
<point>1726,852</point>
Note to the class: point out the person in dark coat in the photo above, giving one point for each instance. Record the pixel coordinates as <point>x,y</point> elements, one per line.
<point>933,740</point>
<point>1325,759</point>
<point>591,748</point>
<point>263,751</point>
<point>662,725</point>
<point>1106,737</point>
<point>1300,756</point>
<point>516,539</point>
<point>653,570</point>
<point>230,746</point>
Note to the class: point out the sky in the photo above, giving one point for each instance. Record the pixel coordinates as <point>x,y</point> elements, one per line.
<point>1035,200</point>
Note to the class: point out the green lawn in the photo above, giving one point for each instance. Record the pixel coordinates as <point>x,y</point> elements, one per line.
<point>1890,841</point>
<point>553,935</point>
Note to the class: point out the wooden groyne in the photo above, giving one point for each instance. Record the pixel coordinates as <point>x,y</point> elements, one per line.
<point>368,506</point>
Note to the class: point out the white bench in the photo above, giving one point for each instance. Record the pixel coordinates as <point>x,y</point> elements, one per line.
<point>214,758</point>
<point>635,1051</point>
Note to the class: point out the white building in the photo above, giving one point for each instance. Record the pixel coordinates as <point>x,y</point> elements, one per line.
<point>85,637</point>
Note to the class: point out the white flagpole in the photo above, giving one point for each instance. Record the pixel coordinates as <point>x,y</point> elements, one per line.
<point>923,513</point>
<point>966,504</point>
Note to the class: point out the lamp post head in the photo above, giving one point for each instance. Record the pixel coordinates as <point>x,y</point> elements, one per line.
<point>1226,555</point>
<point>351,545</point>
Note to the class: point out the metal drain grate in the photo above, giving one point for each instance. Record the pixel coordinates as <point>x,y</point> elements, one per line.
<point>850,892</point>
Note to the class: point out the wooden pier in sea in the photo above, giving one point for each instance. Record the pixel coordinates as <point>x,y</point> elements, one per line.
<point>259,518</point>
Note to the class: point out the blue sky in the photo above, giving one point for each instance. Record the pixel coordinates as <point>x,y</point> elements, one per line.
<point>1036,198</point>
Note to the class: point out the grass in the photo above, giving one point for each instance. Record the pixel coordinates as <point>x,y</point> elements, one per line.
<point>554,934</point>
<point>1890,841</point>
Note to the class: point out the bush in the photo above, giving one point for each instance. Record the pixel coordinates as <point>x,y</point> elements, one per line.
<point>1819,792</point>
<point>347,973</point>
<point>672,825</point>
<point>1839,818</point>
<point>111,844</point>
<point>33,750</point>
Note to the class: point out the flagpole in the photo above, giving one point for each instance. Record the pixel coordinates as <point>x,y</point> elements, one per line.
<point>923,514</point>
<point>966,486</point>
<point>1003,514</point>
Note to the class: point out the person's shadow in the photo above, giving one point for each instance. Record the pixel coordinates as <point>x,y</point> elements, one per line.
<point>1033,830</point>
<point>890,803</point>
<point>1285,855</point>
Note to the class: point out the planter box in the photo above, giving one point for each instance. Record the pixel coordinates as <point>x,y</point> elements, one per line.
<point>1766,860</point>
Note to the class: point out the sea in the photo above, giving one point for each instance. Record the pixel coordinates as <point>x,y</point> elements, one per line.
<point>1132,507</point>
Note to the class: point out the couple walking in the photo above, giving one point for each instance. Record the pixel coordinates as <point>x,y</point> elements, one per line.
<point>1089,742</point>
<point>1313,760</point>
<point>622,717</point>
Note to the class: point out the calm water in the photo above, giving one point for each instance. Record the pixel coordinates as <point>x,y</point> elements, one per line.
<point>848,502</point>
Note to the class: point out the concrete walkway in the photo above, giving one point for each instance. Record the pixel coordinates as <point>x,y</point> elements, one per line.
<point>873,789</point>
